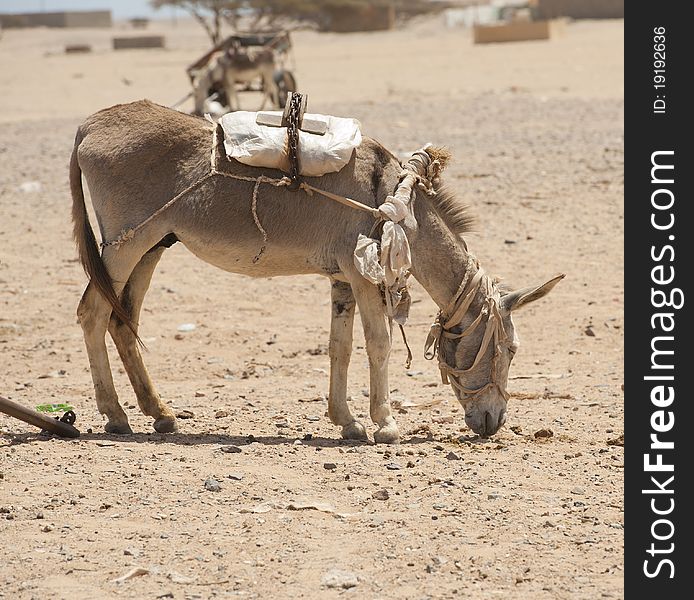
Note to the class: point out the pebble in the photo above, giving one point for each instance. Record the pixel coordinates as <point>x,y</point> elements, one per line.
<point>185,414</point>
<point>220,414</point>
<point>393,467</point>
<point>579,491</point>
<point>337,579</point>
<point>493,496</point>
<point>231,449</point>
<point>380,495</point>
<point>185,327</point>
<point>453,456</point>
<point>235,476</point>
<point>30,187</point>
<point>543,433</point>
<point>329,466</point>
<point>212,485</point>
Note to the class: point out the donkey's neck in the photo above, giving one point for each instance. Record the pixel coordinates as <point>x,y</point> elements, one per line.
<point>439,259</point>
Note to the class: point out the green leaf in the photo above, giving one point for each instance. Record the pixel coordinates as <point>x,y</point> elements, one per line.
<point>50,408</point>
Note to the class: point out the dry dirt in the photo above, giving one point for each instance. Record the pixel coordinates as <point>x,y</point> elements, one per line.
<point>536,130</point>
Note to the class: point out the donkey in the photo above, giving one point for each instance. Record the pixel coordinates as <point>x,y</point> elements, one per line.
<point>224,70</point>
<point>137,158</point>
<point>239,67</point>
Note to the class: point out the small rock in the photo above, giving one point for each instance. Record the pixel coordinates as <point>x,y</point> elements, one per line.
<point>131,552</point>
<point>220,414</point>
<point>135,572</point>
<point>39,515</point>
<point>337,579</point>
<point>235,476</point>
<point>212,485</point>
<point>453,456</point>
<point>29,187</point>
<point>543,433</point>
<point>618,441</point>
<point>231,449</point>
<point>329,466</point>
<point>589,331</point>
<point>186,327</point>
<point>199,394</point>
<point>493,496</point>
<point>517,429</point>
<point>393,467</point>
<point>380,495</point>
<point>185,414</point>
<point>548,524</point>
<point>579,491</point>
<point>47,528</point>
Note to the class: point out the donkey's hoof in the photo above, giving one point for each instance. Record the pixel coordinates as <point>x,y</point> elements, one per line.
<point>166,424</point>
<point>354,431</point>
<point>388,434</point>
<point>120,428</point>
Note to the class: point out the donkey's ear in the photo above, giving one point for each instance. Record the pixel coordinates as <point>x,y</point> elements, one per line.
<point>514,300</point>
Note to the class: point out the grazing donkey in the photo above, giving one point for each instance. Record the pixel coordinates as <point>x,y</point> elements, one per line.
<point>149,172</point>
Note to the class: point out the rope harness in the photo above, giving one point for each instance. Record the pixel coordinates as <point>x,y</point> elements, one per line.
<point>453,314</point>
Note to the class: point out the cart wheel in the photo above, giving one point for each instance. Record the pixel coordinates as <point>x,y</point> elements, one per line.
<point>285,83</point>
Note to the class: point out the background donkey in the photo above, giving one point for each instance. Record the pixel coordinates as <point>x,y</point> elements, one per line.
<point>137,157</point>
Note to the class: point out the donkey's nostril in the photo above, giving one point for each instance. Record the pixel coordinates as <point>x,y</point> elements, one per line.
<point>490,426</point>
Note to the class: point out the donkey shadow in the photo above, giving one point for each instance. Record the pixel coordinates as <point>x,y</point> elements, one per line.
<point>198,439</point>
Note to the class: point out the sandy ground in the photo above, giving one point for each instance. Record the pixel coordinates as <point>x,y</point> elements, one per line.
<point>536,129</point>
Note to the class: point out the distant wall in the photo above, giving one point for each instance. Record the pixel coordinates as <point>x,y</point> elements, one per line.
<point>580,9</point>
<point>93,18</point>
<point>348,18</point>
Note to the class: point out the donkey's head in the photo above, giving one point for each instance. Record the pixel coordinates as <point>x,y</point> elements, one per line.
<point>476,352</point>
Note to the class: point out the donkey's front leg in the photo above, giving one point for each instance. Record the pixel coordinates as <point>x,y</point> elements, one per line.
<point>377,332</point>
<point>341,326</point>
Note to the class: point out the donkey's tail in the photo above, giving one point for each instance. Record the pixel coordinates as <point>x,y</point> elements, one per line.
<point>87,247</point>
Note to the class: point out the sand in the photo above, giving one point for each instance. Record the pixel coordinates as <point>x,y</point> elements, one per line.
<point>536,131</point>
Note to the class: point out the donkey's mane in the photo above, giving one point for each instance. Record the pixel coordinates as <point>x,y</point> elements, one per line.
<point>453,211</point>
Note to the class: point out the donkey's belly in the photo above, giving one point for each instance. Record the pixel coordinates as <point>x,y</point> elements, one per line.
<point>254,261</point>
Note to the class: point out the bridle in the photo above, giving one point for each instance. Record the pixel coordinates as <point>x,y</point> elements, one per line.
<point>453,314</point>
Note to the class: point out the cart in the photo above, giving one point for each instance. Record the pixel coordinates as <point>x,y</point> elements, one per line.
<point>208,73</point>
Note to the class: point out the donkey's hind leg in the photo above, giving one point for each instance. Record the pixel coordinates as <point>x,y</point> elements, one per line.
<point>126,342</point>
<point>341,326</point>
<point>94,313</point>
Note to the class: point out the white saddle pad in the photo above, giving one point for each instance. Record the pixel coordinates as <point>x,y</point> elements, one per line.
<point>263,146</point>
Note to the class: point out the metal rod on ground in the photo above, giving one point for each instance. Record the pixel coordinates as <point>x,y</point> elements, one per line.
<point>33,417</point>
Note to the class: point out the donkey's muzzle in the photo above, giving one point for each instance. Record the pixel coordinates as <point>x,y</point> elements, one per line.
<point>485,423</point>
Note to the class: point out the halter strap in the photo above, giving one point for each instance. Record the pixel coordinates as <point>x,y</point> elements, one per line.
<point>457,308</point>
